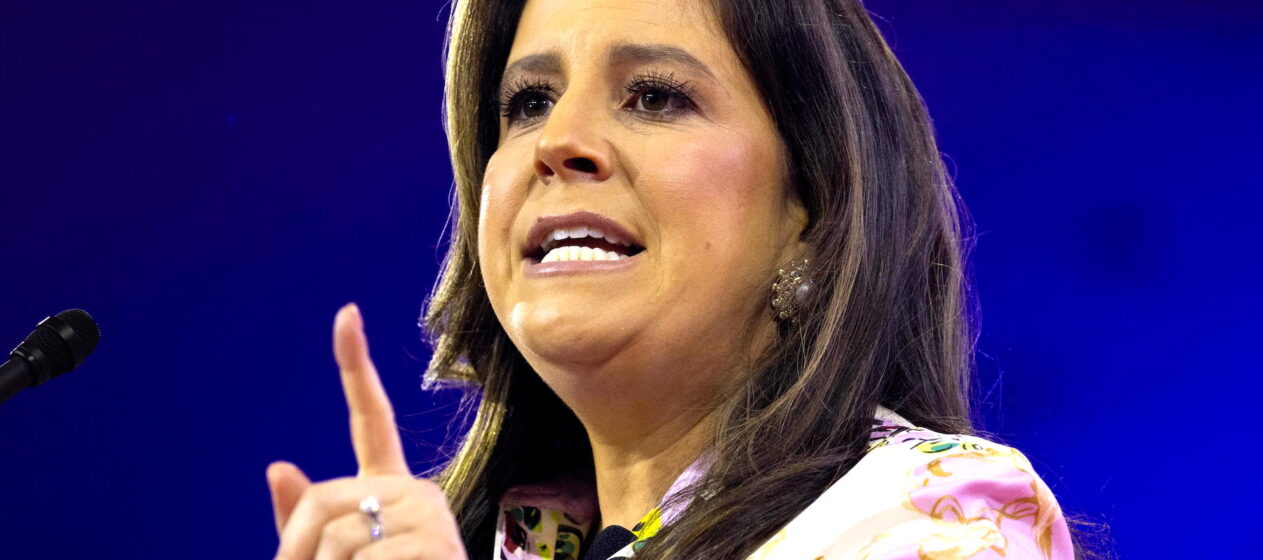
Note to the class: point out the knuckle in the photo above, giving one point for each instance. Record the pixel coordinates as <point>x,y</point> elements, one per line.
<point>328,533</point>
<point>402,547</point>
<point>287,550</point>
<point>368,553</point>
<point>334,536</point>
<point>315,492</point>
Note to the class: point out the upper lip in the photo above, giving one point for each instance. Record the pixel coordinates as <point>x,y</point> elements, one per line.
<point>545,225</point>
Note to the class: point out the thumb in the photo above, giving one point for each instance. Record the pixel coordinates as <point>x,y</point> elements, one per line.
<point>287,484</point>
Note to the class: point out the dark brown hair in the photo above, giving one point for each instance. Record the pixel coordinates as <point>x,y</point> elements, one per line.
<point>889,322</point>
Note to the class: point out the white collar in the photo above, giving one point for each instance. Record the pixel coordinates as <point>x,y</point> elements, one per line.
<point>886,415</point>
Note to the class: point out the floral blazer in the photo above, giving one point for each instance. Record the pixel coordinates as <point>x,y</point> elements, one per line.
<point>916,495</point>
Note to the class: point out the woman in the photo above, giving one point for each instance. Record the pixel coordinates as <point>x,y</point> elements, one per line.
<point>707,276</point>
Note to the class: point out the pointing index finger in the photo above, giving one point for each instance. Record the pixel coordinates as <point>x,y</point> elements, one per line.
<point>373,432</point>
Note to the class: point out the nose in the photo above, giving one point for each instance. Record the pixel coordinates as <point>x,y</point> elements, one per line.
<point>571,147</point>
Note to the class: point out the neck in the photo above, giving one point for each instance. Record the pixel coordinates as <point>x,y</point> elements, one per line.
<point>633,473</point>
<point>648,415</point>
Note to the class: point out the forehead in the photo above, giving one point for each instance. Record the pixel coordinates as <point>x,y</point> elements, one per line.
<point>580,31</point>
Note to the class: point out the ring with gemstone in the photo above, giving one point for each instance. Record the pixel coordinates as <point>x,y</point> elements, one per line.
<point>372,509</point>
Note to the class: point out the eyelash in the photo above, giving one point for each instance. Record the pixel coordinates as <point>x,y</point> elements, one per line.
<point>515,96</point>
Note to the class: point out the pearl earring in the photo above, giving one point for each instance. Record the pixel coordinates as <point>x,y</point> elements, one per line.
<point>791,289</point>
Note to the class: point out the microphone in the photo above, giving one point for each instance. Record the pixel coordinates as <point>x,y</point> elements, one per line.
<point>57,345</point>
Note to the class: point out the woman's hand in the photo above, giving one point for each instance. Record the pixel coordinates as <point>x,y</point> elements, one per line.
<point>324,521</point>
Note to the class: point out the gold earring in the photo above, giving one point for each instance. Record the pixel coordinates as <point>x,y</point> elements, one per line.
<point>790,290</point>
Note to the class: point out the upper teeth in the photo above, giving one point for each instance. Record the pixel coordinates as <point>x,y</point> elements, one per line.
<point>572,253</point>
<point>551,240</point>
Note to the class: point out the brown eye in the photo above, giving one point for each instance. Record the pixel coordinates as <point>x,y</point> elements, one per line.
<point>660,96</point>
<point>527,101</point>
<point>654,101</point>
<point>536,107</point>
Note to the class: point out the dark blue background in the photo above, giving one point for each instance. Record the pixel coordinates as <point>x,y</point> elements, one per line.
<point>213,180</point>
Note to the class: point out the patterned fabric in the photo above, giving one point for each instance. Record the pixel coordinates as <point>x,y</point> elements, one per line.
<point>665,513</point>
<point>545,522</point>
<point>916,495</point>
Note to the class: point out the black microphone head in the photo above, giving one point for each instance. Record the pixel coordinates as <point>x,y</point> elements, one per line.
<point>86,334</point>
<point>59,343</point>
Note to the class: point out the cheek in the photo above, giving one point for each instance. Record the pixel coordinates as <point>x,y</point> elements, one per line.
<point>500,201</point>
<point>721,196</point>
<point>717,202</point>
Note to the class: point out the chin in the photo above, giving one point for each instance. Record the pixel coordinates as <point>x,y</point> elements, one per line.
<point>567,333</point>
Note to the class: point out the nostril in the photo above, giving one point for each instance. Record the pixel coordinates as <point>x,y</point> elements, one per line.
<point>581,164</point>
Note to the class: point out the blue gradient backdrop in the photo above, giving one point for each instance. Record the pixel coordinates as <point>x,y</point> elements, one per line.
<point>212,180</point>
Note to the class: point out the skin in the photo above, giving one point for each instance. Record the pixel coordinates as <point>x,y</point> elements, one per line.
<point>641,354</point>
<point>323,520</point>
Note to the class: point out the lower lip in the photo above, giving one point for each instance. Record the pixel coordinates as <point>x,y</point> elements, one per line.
<point>573,268</point>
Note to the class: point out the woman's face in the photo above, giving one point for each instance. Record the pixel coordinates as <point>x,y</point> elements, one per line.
<point>636,120</point>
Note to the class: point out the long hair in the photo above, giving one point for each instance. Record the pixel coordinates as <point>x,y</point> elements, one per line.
<point>889,321</point>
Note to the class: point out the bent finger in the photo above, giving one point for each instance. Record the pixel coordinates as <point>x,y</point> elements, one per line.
<point>437,537</point>
<point>411,546</point>
<point>352,531</point>
<point>329,500</point>
<point>343,536</point>
<point>286,483</point>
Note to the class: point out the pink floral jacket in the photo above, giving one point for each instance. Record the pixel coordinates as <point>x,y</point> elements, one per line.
<point>916,495</point>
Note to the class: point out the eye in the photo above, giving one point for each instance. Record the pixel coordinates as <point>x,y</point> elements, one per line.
<point>654,100</point>
<point>661,94</point>
<point>535,106</point>
<point>526,101</point>
<point>655,95</point>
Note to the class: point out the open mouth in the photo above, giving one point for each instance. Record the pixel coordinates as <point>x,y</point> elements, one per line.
<point>583,243</point>
<point>579,237</point>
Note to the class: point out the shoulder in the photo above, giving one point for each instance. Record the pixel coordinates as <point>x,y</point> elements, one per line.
<point>923,494</point>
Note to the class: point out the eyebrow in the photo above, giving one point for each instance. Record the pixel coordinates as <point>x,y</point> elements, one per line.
<point>642,53</point>
<point>542,63</point>
<point>620,54</point>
